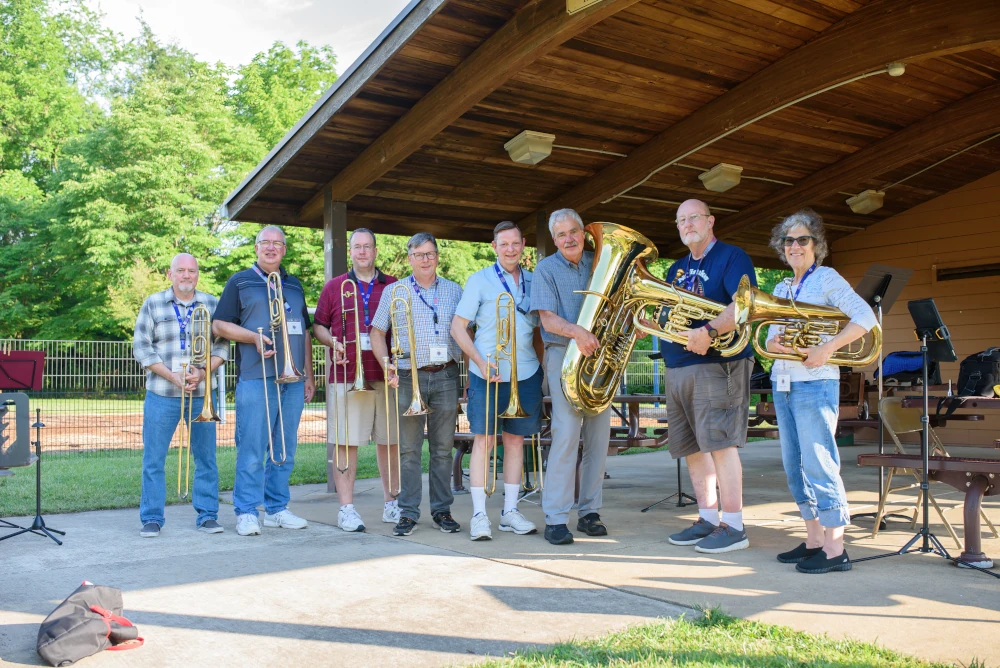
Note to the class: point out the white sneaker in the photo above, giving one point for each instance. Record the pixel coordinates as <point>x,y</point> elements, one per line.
<point>391,514</point>
<point>516,522</point>
<point>349,520</point>
<point>479,527</point>
<point>248,525</point>
<point>286,519</point>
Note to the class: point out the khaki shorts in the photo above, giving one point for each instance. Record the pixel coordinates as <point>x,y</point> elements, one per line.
<point>708,406</point>
<point>365,415</point>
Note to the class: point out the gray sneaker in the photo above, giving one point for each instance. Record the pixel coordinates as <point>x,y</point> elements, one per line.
<point>693,533</point>
<point>210,526</point>
<point>723,539</point>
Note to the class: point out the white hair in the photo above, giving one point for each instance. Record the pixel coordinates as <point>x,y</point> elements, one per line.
<point>173,262</point>
<point>270,228</point>
<point>561,215</point>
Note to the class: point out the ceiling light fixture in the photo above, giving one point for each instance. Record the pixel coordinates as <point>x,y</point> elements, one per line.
<point>721,178</point>
<point>574,6</point>
<point>530,147</point>
<point>866,202</point>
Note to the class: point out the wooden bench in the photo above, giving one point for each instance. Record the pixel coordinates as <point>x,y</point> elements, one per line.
<point>976,477</point>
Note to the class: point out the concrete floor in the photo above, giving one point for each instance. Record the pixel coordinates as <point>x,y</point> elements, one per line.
<point>324,597</point>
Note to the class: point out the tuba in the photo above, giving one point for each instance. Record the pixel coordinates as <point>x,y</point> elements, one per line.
<point>804,325</point>
<point>621,288</point>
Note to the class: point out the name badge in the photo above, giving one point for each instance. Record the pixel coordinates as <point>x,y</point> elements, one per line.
<point>366,342</point>
<point>784,383</point>
<point>439,354</point>
<point>178,362</point>
<point>295,327</point>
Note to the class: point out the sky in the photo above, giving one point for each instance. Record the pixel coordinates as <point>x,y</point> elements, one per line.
<point>233,31</point>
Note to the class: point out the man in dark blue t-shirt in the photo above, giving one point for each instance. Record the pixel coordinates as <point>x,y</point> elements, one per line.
<point>709,395</point>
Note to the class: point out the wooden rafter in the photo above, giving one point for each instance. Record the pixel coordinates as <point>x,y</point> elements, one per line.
<point>882,32</point>
<point>535,30</point>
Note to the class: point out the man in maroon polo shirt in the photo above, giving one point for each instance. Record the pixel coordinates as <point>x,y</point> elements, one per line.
<point>365,412</point>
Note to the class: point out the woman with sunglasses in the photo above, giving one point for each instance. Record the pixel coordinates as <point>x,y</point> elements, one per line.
<point>806,395</point>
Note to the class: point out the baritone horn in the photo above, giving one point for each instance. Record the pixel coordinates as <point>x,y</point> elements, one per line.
<point>804,326</point>
<point>348,305</point>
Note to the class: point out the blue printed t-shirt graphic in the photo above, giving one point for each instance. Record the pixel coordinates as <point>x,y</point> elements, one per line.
<point>716,277</point>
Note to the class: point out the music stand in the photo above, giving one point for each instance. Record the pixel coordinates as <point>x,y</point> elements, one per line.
<point>22,370</point>
<point>880,287</point>
<point>935,344</point>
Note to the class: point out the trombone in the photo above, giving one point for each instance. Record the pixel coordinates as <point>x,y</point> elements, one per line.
<point>287,374</point>
<point>393,491</point>
<point>506,351</point>
<point>348,292</point>
<point>201,356</point>
<point>533,467</point>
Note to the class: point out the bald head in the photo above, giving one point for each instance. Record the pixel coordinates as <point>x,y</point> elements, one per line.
<point>183,275</point>
<point>694,223</point>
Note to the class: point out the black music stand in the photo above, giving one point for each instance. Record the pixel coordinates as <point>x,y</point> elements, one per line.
<point>880,287</point>
<point>22,370</point>
<point>935,344</point>
<point>683,498</point>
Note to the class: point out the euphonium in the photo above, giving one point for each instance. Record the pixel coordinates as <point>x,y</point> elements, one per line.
<point>805,326</point>
<point>617,296</point>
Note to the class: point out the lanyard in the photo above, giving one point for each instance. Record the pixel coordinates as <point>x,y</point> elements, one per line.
<point>183,322</point>
<point>690,279</point>
<point>366,296</point>
<point>263,277</point>
<point>801,283</point>
<point>496,268</point>
<point>416,288</point>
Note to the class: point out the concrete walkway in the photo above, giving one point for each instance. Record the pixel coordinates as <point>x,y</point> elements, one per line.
<point>325,597</point>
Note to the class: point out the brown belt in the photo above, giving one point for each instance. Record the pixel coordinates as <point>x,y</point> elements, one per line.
<point>434,368</point>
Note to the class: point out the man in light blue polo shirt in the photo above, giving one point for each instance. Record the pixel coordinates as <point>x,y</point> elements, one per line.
<point>478,305</point>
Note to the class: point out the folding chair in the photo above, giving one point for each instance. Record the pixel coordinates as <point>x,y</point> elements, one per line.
<point>898,420</point>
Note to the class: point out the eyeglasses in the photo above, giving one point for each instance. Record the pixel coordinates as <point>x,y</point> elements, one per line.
<point>420,257</point>
<point>693,218</point>
<point>801,241</point>
<point>271,244</point>
<point>368,248</point>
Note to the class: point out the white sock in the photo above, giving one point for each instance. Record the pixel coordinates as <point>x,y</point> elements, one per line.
<point>478,500</point>
<point>510,492</point>
<point>710,515</point>
<point>347,506</point>
<point>735,520</point>
<point>390,504</point>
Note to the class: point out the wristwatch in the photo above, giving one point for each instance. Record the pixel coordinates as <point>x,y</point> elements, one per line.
<point>712,331</point>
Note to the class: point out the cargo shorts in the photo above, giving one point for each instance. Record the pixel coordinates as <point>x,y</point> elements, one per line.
<point>708,406</point>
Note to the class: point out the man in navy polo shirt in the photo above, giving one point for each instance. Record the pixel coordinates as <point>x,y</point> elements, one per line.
<point>709,395</point>
<point>242,309</point>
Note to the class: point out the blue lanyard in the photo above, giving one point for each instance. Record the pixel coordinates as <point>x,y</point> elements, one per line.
<point>798,290</point>
<point>263,277</point>
<point>183,322</point>
<point>366,296</point>
<point>690,279</point>
<point>496,268</point>
<point>416,288</point>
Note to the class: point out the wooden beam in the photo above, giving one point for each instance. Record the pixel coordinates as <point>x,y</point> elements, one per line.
<point>535,30</point>
<point>543,240</point>
<point>866,40</point>
<point>968,119</point>
<point>334,236</point>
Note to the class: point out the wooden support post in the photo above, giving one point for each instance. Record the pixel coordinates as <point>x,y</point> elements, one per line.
<point>334,264</point>
<point>543,240</point>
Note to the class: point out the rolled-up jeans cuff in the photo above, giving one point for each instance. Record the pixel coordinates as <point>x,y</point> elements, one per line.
<point>808,512</point>
<point>835,517</point>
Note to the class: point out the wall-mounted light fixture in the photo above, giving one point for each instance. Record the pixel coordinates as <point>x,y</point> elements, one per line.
<point>866,202</point>
<point>530,147</point>
<point>721,178</point>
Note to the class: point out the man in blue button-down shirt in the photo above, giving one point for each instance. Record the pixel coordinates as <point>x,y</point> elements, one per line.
<point>479,306</point>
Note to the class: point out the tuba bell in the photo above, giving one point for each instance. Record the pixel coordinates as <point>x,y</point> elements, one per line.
<point>804,326</point>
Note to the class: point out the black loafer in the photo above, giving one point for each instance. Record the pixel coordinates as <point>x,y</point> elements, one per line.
<point>446,523</point>
<point>592,525</point>
<point>558,534</point>
<point>801,553</point>
<point>820,564</point>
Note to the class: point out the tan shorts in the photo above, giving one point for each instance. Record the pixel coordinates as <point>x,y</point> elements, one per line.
<point>708,406</point>
<point>365,416</point>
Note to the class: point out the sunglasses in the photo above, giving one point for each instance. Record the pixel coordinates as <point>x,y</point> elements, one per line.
<point>801,241</point>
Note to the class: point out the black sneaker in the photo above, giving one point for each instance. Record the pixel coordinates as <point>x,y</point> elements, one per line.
<point>446,523</point>
<point>150,530</point>
<point>801,553</point>
<point>210,526</point>
<point>818,563</point>
<point>693,533</point>
<point>558,534</point>
<point>592,525</point>
<point>404,527</point>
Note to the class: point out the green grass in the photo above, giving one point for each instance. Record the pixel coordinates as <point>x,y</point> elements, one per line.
<point>713,640</point>
<point>74,482</point>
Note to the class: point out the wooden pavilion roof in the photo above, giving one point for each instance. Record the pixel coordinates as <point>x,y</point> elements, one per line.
<point>647,93</point>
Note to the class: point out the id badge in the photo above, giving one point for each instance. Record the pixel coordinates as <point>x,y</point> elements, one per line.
<point>439,354</point>
<point>295,327</point>
<point>178,362</point>
<point>784,383</point>
<point>366,342</point>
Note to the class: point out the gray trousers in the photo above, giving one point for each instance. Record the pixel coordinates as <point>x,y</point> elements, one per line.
<point>567,425</point>
<point>440,393</point>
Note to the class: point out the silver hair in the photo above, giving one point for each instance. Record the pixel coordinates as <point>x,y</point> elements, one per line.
<point>419,239</point>
<point>270,228</point>
<point>362,230</point>
<point>173,262</point>
<point>563,214</point>
<point>809,219</point>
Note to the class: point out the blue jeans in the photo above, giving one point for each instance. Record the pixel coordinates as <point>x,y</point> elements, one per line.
<point>160,417</point>
<point>258,479</point>
<point>807,424</point>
